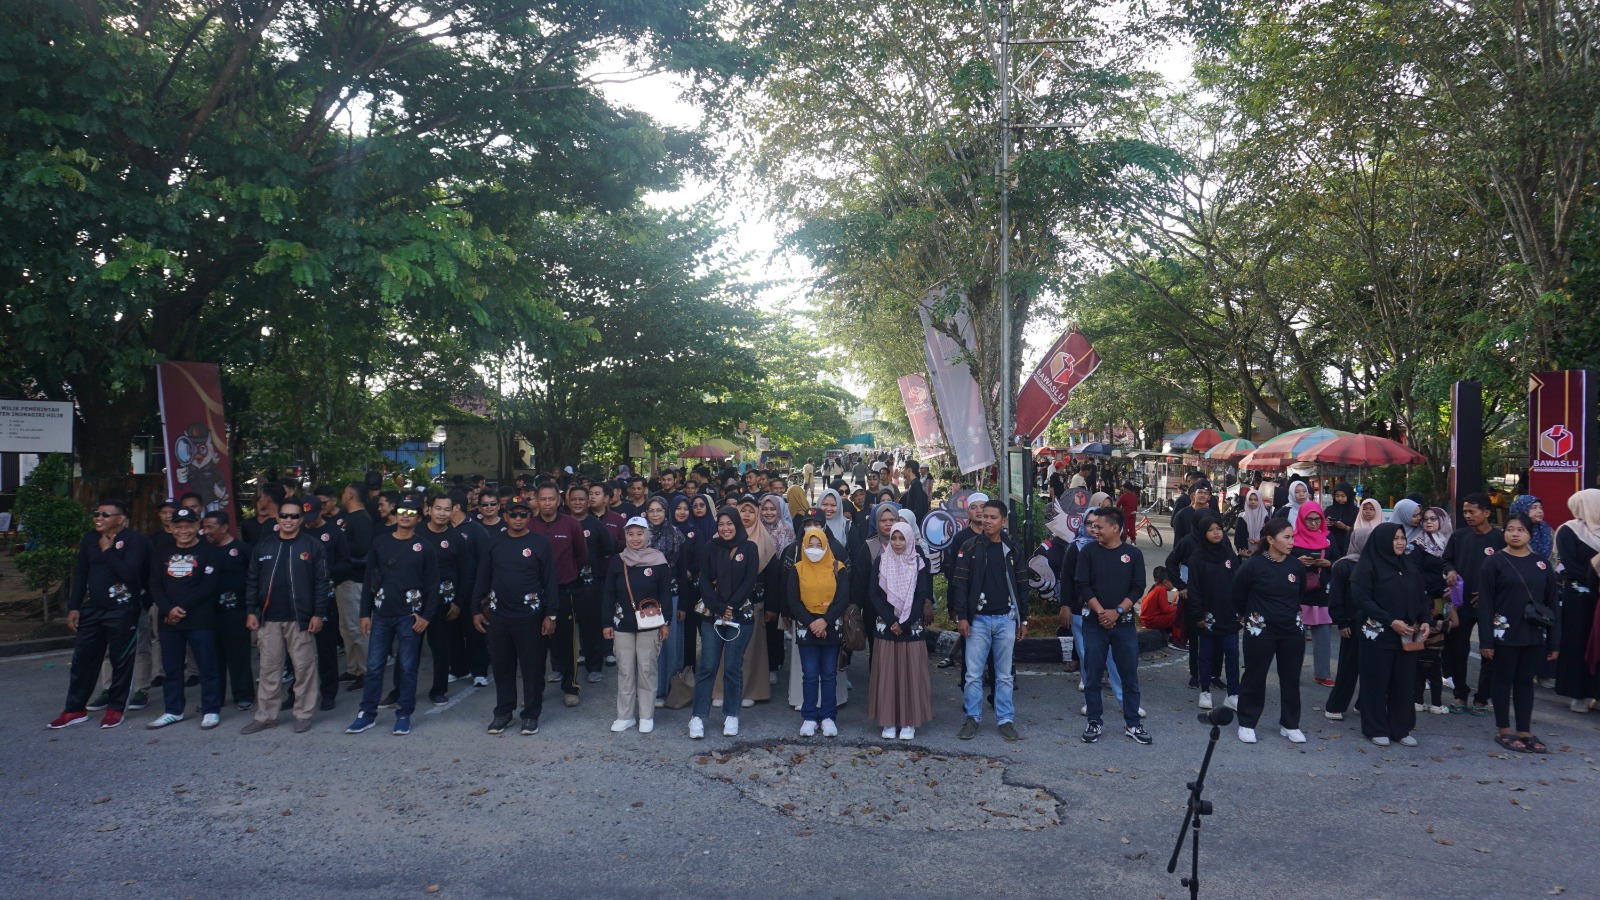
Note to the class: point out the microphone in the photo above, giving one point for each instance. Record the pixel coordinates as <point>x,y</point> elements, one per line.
<point>1222,715</point>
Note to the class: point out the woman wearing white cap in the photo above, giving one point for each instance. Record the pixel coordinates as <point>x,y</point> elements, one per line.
<point>639,588</point>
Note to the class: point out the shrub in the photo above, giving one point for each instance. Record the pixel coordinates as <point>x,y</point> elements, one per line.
<point>51,523</point>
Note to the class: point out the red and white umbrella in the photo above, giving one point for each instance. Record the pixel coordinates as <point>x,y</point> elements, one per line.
<point>1362,450</point>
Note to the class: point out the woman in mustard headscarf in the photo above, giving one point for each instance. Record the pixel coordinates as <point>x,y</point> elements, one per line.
<point>819,591</point>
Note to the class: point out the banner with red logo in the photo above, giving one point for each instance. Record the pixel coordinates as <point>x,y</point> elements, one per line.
<point>196,434</point>
<point>960,402</point>
<point>1067,363</point>
<point>918,398</point>
<point>1563,444</point>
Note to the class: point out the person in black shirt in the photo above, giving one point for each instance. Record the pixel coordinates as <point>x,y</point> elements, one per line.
<point>1518,629</point>
<point>233,638</point>
<point>988,600</point>
<point>729,564</point>
<point>456,560</point>
<point>915,498</point>
<point>1465,552</point>
<point>1266,597</point>
<point>1391,610</point>
<point>337,552</point>
<point>286,593</point>
<point>103,614</point>
<point>1109,580</point>
<point>518,598</point>
<point>183,586</point>
<point>469,654</point>
<point>356,521</point>
<point>399,599</point>
<point>588,614</point>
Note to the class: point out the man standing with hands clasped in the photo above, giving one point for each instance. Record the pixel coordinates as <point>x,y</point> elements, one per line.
<point>400,597</point>
<point>1110,579</point>
<point>286,597</point>
<point>988,596</point>
<point>517,603</point>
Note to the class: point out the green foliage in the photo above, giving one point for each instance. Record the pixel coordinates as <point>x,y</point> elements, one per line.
<point>51,524</point>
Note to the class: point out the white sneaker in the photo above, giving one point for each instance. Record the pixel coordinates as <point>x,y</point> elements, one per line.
<point>1439,710</point>
<point>210,720</point>
<point>1295,735</point>
<point>1381,741</point>
<point>481,681</point>
<point>808,728</point>
<point>1142,713</point>
<point>829,729</point>
<point>165,720</point>
<point>697,729</point>
<point>716,703</point>
<point>747,703</point>
<point>1232,702</point>
<point>1419,707</point>
<point>1205,700</point>
<point>888,733</point>
<point>730,726</point>
<point>1579,706</point>
<point>450,679</point>
<point>1248,735</point>
<point>1080,685</point>
<point>908,733</point>
<point>1408,741</point>
<point>647,725</point>
<point>1332,716</point>
<point>772,678</point>
<point>660,703</point>
<point>1083,710</point>
<point>554,677</point>
<point>623,724</point>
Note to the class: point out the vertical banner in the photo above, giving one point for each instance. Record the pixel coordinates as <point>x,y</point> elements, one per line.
<point>1563,447</point>
<point>1067,363</point>
<point>960,402</point>
<point>918,398</point>
<point>196,434</point>
<point>1466,442</point>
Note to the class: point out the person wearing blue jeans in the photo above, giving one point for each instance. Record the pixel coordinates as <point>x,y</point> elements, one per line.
<point>1110,578</point>
<point>818,592</point>
<point>988,597</point>
<point>1110,664</point>
<point>1121,643</point>
<point>729,564</point>
<point>399,598</point>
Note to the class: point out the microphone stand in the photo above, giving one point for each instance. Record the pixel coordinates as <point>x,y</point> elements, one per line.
<point>1198,807</point>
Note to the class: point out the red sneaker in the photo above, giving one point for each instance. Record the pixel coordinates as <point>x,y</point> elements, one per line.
<point>111,720</point>
<point>1325,682</point>
<point>69,718</point>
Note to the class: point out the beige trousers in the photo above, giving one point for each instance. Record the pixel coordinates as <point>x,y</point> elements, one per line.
<point>636,673</point>
<point>277,640</point>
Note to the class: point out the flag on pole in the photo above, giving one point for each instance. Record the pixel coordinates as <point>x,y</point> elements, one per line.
<point>960,402</point>
<point>196,434</point>
<point>918,398</point>
<point>1068,362</point>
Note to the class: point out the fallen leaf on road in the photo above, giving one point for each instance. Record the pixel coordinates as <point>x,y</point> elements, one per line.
<point>432,889</point>
<point>107,828</point>
<point>478,793</point>
<point>636,804</point>
<point>101,800</point>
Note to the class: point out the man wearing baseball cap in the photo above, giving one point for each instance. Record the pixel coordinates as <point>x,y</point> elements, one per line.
<point>399,599</point>
<point>183,585</point>
<point>517,597</point>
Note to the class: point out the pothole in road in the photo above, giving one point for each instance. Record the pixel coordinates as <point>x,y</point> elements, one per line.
<point>873,786</point>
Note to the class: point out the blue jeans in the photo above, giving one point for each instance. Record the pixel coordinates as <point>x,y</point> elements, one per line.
<point>384,630</point>
<point>1111,664</point>
<point>819,669</point>
<point>671,658</point>
<point>203,641</point>
<point>1123,643</point>
<point>712,649</point>
<point>996,635</point>
<point>1228,645</point>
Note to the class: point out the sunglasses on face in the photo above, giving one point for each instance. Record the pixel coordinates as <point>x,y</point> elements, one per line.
<point>406,512</point>
<point>105,515</point>
<point>489,503</point>
<point>521,514</point>
<point>288,515</point>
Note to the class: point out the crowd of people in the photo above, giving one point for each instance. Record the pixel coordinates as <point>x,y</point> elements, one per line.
<point>697,586</point>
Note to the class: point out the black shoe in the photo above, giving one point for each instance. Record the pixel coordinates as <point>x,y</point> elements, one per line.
<point>1194,684</point>
<point>192,681</point>
<point>1139,735</point>
<point>390,700</point>
<point>357,683</point>
<point>327,704</point>
<point>158,681</point>
<point>1091,732</point>
<point>439,699</point>
<point>530,726</point>
<point>499,724</point>
<point>345,677</point>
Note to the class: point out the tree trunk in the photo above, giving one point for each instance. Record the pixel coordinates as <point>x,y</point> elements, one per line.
<point>142,493</point>
<point>110,422</point>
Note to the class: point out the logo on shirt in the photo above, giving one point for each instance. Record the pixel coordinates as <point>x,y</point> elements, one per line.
<point>444,545</point>
<point>1292,578</point>
<point>180,566</point>
<point>416,548</point>
<point>526,551</point>
<point>118,545</point>
<point>1540,564</point>
<point>738,557</point>
<point>305,556</point>
<point>324,536</point>
<point>1227,564</point>
<point>234,551</point>
<point>209,570</point>
<point>1488,551</point>
<point>586,532</point>
<point>1126,558</point>
<point>647,570</point>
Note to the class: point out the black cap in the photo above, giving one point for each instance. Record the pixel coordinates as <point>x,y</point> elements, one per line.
<point>170,501</point>
<point>519,502</point>
<point>185,514</point>
<point>409,502</point>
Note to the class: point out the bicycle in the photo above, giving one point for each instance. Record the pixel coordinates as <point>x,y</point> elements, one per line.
<point>1142,523</point>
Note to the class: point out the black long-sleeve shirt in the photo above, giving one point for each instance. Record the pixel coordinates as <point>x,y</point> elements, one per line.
<point>1267,595</point>
<point>456,559</point>
<point>335,546</point>
<point>402,578</point>
<point>911,629</point>
<point>1465,553</point>
<point>1108,576</point>
<point>113,578</point>
<point>358,531</point>
<point>186,578</point>
<point>628,587</point>
<point>519,579</point>
<point>233,568</point>
<point>727,577</point>
<point>803,616</point>
<point>1506,585</point>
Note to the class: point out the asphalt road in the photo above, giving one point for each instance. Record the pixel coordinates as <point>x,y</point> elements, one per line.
<point>577,810</point>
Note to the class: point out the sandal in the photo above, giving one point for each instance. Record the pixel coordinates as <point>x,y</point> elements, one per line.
<point>1511,742</point>
<point>1460,708</point>
<point>1534,745</point>
<point>1478,710</point>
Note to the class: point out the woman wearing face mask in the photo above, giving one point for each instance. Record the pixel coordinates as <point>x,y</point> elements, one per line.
<point>1516,597</point>
<point>728,570</point>
<point>1578,546</point>
<point>1390,601</point>
<point>757,668</point>
<point>819,590</point>
<point>900,695</point>
<point>1247,532</point>
<point>1311,546</point>
<point>638,585</point>
<point>791,557</point>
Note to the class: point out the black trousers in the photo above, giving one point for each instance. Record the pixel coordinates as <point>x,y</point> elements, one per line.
<point>1349,675</point>
<point>233,655</point>
<point>564,643</point>
<point>1388,682</point>
<point>1514,671</point>
<point>327,641</point>
<point>591,626</point>
<point>1457,651</point>
<point>443,635</point>
<point>1259,653</point>
<point>469,649</point>
<point>1429,675</point>
<point>690,626</point>
<point>517,644</point>
<point>102,631</point>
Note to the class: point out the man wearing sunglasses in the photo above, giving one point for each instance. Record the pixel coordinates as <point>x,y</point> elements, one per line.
<point>517,598</point>
<point>489,513</point>
<point>399,599</point>
<point>103,613</point>
<point>286,597</point>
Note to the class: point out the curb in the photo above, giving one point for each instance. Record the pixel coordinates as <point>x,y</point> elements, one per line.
<point>43,645</point>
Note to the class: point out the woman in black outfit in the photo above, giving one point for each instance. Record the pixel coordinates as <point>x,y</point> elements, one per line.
<point>1390,599</point>
<point>1266,597</point>
<point>728,569</point>
<point>1211,563</point>
<point>1578,546</point>
<point>1515,590</point>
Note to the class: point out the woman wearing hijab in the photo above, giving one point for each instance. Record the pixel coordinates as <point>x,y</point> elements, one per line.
<point>668,539</point>
<point>728,570</point>
<point>1342,608</point>
<point>1578,546</point>
<point>1212,564</point>
<point>1436,528</point>
<point>1299,496</point>
<point>702,528</point>
<point>900,698</point>
<point>1429,546</point>
<point>1518,630</point>
<point>775,520</point>
<point>639,586</point>
<point>819,591</point>
<point>1544,537</point>
<point>791,556</point>
<point>1391,603</point>
<point>1341,515</point>
<point>1408,515</point>
<point>797,501</point>
<point>1247,532</point>
<point>1312,548</point>
<point>1267,595</point>
<point>757,668</point>
<point>832,506</point>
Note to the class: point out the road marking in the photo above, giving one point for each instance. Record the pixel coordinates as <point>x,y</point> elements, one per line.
<point>453,701</point>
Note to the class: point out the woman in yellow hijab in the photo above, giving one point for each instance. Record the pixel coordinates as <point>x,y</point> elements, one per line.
<point>819,591</point>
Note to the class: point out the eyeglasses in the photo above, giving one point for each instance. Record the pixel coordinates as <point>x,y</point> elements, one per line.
<point>518,515</point>
<point>105,515</point>
<point>406,512</point>
<point>488,502</point>
<point>288,515</point>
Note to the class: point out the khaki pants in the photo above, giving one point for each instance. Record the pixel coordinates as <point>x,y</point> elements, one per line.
<point>348,595</point>
<point>636,673</point>
<point>277,640</point>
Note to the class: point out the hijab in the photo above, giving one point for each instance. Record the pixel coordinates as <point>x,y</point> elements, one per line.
<point>1403,511</point>
<point>705,526</point>
<point>666,538</point>
<point>766,548</point>
<point>649,556</point>
<point>1255,518</point>
<point>1380,567</point>
<point>1295,505</point>
<point>1343,512</point>
<point>782,531</point>
<point>838,525</point>
<point>1304,537</point>
<point>897,572</point>
<point>796,498</point>
<point>687,525</point>
<point>1544,537</point>
<point>1435,543</point>
<point>1221,551</point>
<point>739,535</point>
<point>1098,498</point>
<point>818,580</point>
<point>1585,521</point>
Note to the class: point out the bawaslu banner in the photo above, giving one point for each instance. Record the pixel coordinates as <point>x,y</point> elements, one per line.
<point>1068,362</point>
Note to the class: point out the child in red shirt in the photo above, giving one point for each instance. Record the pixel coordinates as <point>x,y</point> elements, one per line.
<point>1157,611</point>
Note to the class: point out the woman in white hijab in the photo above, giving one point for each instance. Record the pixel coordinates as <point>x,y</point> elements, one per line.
<point>832,506</point>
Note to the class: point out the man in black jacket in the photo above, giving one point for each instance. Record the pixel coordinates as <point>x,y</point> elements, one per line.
<point>989,601</point>
<point>103,612</point>
<point>286,598</point>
